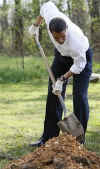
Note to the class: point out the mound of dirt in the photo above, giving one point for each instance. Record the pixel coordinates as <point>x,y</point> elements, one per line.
<point>62,152</point>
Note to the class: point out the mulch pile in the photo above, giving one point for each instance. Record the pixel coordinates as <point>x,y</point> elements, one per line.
<point>62,152</point>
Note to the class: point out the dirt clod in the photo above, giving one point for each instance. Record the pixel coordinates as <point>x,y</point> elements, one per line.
<point>62,152</point>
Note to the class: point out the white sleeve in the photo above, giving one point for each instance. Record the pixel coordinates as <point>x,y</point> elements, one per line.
<point>80,44</point>
<point>79,63</point>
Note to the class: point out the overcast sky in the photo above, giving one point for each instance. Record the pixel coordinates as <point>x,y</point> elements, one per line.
<point>8,1</point>
<point>11,1</point>
<point>24,2</point>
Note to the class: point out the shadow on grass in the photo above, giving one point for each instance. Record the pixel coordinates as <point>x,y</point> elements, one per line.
<point>14,154</point>
<point>15,151</point>
<point>95,97</point>
<point>35,83</point>
<point>41,98</point>
<point>93,141</point>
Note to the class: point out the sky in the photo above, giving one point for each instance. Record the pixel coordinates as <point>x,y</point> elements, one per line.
<point>8,1</point>
<point>11,1</point>
<point>25,2</point>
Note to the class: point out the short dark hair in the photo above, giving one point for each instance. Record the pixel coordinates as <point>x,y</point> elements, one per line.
<point>57,25</point>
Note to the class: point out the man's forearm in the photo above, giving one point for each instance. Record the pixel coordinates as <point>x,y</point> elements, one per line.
<point>38,21</point>
<point>68,74</point>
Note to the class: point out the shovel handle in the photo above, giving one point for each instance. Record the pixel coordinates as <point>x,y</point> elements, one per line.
<point>50,74</point>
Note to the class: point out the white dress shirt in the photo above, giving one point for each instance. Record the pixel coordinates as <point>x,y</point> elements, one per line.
<point>76,43</point>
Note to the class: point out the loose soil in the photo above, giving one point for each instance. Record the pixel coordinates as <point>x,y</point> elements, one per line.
<point>62,152</point>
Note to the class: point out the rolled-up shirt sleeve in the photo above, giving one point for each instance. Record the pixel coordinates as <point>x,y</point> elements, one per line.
<point>79,63</point>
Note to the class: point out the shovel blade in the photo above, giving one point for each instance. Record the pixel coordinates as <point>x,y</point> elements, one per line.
<point>71,125</point>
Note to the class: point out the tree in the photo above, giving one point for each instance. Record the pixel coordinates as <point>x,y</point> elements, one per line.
<point>80,15</point>
<point>18,28</point>
<point>36,7</point>
<point>3,23</point>
<point>95,28</point>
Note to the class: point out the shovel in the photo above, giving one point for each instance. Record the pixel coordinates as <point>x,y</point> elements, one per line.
<point>69,124</point>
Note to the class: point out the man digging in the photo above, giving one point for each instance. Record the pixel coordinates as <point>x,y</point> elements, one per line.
<point>72,57</point>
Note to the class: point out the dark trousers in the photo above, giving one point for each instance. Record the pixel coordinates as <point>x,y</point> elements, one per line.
<point>60,65</point>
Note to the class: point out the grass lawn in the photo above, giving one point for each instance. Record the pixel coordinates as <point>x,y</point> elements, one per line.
<point>22,107</point>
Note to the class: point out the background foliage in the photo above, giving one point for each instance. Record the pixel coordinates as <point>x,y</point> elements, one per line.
<point>16,17</point>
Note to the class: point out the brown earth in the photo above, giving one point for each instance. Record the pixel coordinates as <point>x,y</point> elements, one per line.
<point>62,152</point>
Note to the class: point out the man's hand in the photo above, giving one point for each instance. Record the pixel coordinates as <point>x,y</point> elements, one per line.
<point>34,30</point>
<point>57,89</point>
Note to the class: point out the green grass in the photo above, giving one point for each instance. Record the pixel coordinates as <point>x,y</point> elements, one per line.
<point>96,67</point>
<point>21,116</point>
<point>93,133</point>
<point>22,108</point>
<point>11,69</point>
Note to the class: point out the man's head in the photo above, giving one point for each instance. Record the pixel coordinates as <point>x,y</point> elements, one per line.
<point>57,27</point>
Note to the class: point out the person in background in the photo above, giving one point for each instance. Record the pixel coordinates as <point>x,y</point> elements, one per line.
<point>72,57</point>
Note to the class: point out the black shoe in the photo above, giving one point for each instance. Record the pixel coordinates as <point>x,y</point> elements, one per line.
<point>38,143</point>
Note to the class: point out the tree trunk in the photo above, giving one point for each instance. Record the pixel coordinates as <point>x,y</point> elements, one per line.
<point>95,28</point>
<point>1,38</point>
<point>3,23</point>
<point>81,16</point>
<point>18,28</point>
